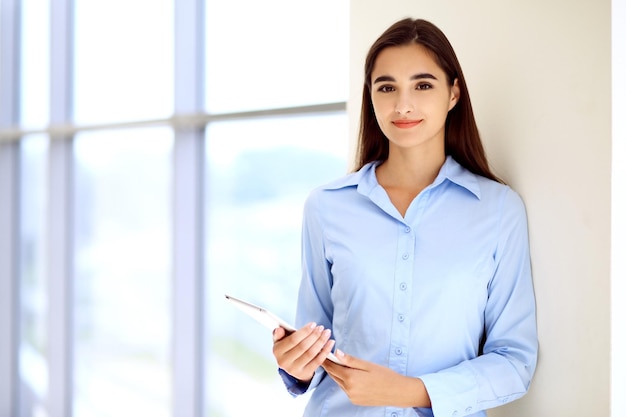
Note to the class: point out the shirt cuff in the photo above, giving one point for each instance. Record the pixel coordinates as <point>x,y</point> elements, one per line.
<point>453,393</point>
<point>296,387</point>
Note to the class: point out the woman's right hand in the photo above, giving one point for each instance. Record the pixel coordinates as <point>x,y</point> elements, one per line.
<point>302,352</point>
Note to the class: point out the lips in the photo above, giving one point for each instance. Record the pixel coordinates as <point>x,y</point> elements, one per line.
<point>406,124</point>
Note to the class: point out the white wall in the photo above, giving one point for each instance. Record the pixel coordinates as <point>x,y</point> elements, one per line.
<point>618,215</point>
<point>539,74</point>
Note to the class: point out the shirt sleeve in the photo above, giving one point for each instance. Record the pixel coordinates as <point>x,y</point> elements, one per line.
<point>314,301</point>
<point>504,371</point>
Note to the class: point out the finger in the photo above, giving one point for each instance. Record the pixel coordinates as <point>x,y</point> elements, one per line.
<point>312,346</point>
<point>305,331</point>
<point>309,350</point>
<point>346,362</point>
<point>350,361</point>
<point>328,347</point>
<point>278,334</point>
<point>303,359</point>
<point>286,344</point>
<point>336,372</point>
<point>300,358</point>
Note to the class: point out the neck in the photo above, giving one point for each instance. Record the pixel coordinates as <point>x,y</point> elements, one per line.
<point>410,170</point>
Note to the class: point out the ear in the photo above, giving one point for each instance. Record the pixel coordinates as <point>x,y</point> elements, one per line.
<point>455,93</point>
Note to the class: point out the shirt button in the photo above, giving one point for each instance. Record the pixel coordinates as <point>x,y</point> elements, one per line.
<point>398,351</point>
<point>403,286</point>
<point>468,410</point>
<point>400,317</point>
<point>455,413</point>
<point>407,229</point>
<point>405,256</point>
<point>394,414</point>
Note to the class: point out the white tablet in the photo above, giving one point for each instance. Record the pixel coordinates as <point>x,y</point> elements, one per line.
<point>267,319</point>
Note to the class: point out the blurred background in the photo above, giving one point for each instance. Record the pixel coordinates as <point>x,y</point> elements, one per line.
<point>157,155</point>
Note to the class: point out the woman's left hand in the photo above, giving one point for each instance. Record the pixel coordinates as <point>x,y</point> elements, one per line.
<point>370,384</point>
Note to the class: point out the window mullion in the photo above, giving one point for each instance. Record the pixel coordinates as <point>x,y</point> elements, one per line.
<point>9,283</point>
<point>59,216</point>
<point>188,245</point>
<point>9,210</point>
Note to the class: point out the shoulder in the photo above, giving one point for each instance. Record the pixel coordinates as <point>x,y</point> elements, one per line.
<point>497,196</point>
<point>502,197</point>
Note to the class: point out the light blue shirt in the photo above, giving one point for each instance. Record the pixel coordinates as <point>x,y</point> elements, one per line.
<point>417,293</point>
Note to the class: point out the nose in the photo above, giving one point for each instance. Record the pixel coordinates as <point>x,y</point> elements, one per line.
<point>404,105</point>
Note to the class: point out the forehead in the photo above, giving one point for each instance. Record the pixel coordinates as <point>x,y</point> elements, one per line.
<point>405,59</point>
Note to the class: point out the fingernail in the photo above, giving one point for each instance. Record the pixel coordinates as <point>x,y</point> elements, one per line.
<point>312,325</point>
<point>339,353</point>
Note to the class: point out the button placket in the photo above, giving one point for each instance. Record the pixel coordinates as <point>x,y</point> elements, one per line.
<point>400,325</point>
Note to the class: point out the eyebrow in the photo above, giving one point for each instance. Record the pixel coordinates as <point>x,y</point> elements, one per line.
<point>387,78</point>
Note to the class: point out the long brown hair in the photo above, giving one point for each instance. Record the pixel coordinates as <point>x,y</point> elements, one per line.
<point>462,140</point>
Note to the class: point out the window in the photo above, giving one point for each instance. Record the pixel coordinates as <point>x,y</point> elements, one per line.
<point>264,55</point>
<point>32,235</point>
<point>122,272</point>
<point>126,167</point>
<point>123,60</point>
<point>33,165</point>
<point>258,179</point>
<point>276,53</point>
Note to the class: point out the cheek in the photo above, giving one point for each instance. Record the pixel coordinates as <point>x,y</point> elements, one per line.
<point>441,109</point>
<point>380,121</point>
<point>383,114</point>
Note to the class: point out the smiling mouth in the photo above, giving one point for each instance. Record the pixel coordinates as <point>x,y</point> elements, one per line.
<point>405,124</point>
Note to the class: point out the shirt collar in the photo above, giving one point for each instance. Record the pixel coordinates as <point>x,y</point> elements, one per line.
<point>365,178</point>
<point>454,172</point>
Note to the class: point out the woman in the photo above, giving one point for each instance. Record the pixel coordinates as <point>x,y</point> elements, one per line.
<point>417,264</point>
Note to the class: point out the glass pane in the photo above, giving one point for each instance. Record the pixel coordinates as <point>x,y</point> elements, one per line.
<point>123,60</point>
<point>35,65</point>
<point>123,242</point>
<point>275,53</point>
<point>259,174</point>
<point>33,186</point>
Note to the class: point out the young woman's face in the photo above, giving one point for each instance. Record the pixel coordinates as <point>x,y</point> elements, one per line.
<point>411,97</point>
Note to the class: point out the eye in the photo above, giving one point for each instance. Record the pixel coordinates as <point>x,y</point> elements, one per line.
<point>386,89</point>
<point>423,86</point>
